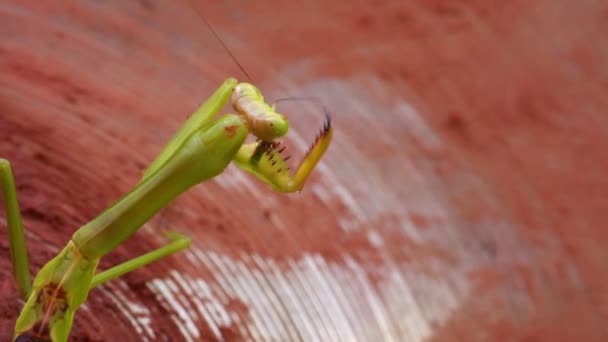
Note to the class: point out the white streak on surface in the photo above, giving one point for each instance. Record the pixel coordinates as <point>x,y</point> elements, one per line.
<point>166,289</point>
<point>137,314</point>
<point>313,300</point>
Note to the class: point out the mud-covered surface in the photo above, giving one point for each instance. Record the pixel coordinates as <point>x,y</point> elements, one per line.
<point>463,198</point>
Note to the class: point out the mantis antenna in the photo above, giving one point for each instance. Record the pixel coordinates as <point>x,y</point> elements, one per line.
<point>217,37</point>
<point>312,99</point>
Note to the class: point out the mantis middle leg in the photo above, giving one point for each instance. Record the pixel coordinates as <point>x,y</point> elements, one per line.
<point>178,242</point>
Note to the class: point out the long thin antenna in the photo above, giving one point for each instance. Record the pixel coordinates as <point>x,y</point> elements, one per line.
<point>312,99</point>
<point>220,40</point>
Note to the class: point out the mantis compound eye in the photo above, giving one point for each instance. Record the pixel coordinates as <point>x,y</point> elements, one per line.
<point>278,127</point>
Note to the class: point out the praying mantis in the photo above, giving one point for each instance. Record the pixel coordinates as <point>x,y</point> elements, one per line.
<point>200,150</point>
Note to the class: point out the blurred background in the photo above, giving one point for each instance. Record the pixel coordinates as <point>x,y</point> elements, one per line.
<point>463,197</point>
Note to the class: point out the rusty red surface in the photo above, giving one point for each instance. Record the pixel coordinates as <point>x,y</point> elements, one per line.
<point>463,198</point>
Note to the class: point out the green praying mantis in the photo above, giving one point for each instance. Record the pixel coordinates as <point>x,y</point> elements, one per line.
<point>201,149</point>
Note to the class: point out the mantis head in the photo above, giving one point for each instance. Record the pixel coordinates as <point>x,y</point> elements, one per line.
<point>263,121</point>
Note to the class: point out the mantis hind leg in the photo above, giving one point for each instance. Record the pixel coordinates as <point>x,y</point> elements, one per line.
<point>178,242</point>
<point>19,257</point>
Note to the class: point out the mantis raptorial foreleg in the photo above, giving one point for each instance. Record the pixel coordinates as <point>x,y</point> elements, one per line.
<point>265,161</point>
